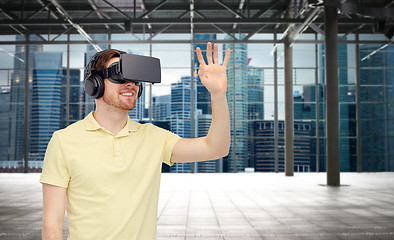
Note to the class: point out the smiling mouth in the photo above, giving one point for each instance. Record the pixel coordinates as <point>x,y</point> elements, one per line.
<point>128,94</point>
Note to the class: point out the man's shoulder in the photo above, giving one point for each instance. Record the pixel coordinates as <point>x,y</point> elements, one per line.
<point>71,130</point>
<point>152,129</point>
<point>147,126</point>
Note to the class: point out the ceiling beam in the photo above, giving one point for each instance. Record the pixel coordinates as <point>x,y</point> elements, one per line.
<point>38,11</point>
<point>80,30</point>
<point>317,29</point>
<point>240,7</point>
<point>185,41</point>
<point>25,30</point>
<point>352,31</point>
<point>302,27</point>
<point>230,9</point>
<point>93,21</point>
<point>269,6</point>
<point>83,5</point>
<point>153,9</point>
<point>117,9</point>
<point>258,29</point>
<point>216,26</point>
<point>166,27</point>
<point>98,12</point>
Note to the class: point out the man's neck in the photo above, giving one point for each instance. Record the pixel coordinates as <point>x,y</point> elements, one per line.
<point>113,121</point>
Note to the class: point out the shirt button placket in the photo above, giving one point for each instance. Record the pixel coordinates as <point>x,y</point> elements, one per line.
<point>117,157</point>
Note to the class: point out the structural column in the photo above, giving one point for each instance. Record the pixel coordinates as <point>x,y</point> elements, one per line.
<point>68,82</point>
<point>276,125</point>
<point>193,165</point>
<point>317,106</point>
<point>332,105</point>
<point>358,107</point>
<point>26,123</point>
<point>289,121</point>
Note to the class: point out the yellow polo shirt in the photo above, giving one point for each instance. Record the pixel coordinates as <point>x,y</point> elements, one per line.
<point>112,181</point>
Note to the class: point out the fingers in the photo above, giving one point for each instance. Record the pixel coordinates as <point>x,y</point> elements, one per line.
<point>215,53</point>
<point>209,52</point>
<point>199,56</point>
<point>201,73</point>
<point>227,57</point>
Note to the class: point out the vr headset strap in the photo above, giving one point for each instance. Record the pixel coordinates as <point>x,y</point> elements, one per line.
<point>110,71</point>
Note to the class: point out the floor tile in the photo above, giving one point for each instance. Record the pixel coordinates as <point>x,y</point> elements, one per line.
<point>237,206</point>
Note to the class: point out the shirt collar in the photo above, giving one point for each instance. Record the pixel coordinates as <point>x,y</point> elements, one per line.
<point>92,125</point>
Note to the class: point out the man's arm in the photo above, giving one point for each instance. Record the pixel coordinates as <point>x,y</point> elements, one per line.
<point>53,211</point>
<point>217,142</point>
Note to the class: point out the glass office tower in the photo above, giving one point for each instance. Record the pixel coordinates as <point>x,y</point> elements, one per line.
<point>161,108</point>
<point>203,96</point>
<point>17,106</point>
<point>263,147</point>
<point>75,90</point>
<point>377,108</point>
<point>255,108</point>
<point>46,105</point>
<point>5,94</point>
<point>181,114</point>
<point>347,113</point>
<point>204,123</point>
<point>237,96</point>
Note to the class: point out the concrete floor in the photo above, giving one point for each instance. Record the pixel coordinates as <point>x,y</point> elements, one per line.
<point>237,206</point>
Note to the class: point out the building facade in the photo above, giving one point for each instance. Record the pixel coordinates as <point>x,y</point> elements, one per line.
<point>5,96</point>
<point>74,89</point>
<point>46,101</point>
<point>17,106</point>
<point>181,114</point>
<point>212,166</point>
<point>377,108</point>
<point>263,147</point>
<point>237,96</point>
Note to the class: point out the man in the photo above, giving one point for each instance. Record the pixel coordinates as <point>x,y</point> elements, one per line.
<point>108,167</point>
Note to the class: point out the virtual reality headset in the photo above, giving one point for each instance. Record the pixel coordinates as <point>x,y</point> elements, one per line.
<point>133,68</point>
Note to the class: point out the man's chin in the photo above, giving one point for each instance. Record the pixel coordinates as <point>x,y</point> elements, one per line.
<point>121,104</point>
<point>128,107</point>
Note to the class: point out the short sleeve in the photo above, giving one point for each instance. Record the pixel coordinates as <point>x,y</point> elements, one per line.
<point>55,170</point>
<point>170,139</point>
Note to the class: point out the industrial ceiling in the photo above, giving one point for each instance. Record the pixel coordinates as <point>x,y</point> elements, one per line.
<point>154,17</point>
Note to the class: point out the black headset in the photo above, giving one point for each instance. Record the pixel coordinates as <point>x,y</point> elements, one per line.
<point>94,83</point>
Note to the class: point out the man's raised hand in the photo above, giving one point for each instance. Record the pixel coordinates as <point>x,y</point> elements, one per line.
<point>213,75</point>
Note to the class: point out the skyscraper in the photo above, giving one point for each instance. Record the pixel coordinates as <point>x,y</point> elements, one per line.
<point>17,106</point>
<point>204,108</point>
<point>181,116</point>
<point>255,105</point>
<point>255,93</point>
<point>346,104</point>
<point>46,96</point>
<point>204,123</point>
<point>203,96</point>
<point>237,96</point>
<point>76,93</point>
<point>161,108</point>
<point>377,108</point>
<point>5,93</point>
<point>263,148</point>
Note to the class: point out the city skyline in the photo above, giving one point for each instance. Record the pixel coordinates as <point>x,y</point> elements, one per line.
<point>251,105</point>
